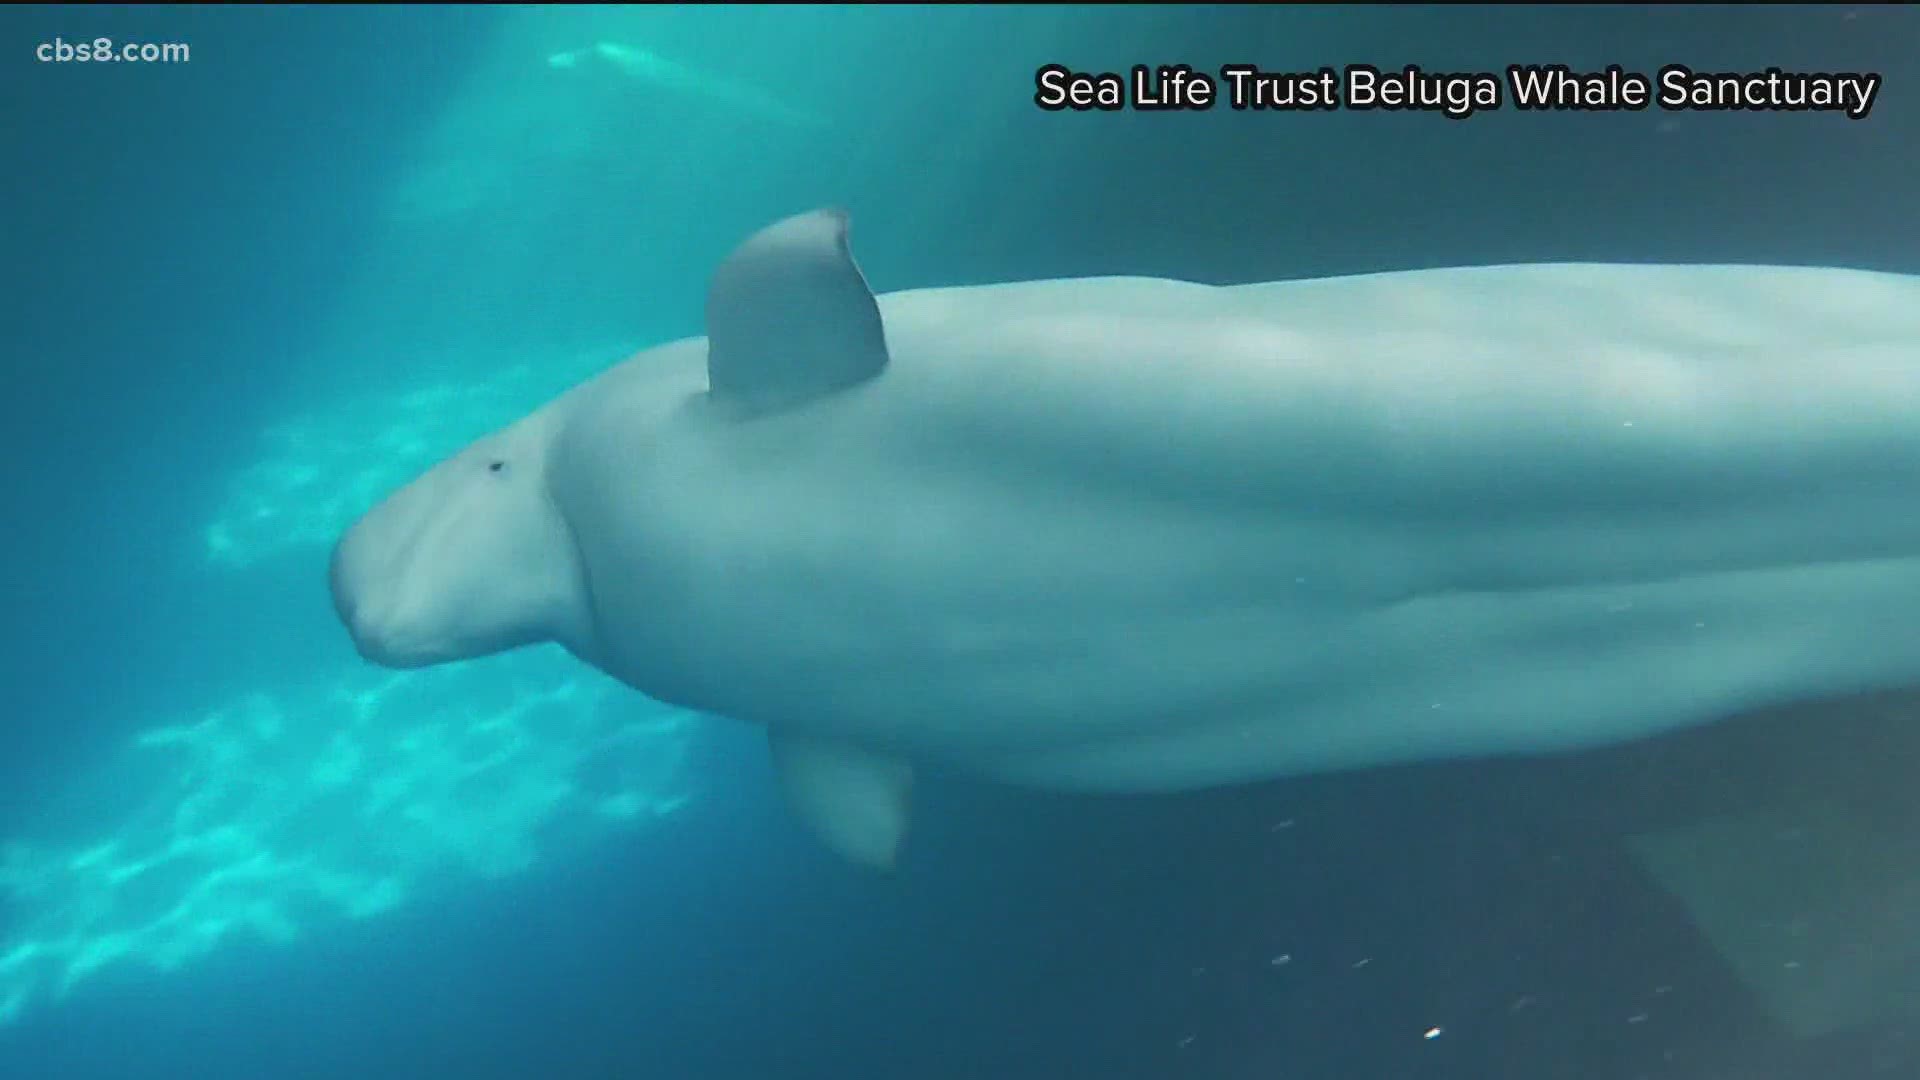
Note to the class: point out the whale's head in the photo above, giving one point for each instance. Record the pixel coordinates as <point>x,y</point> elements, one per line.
<point>473,557</point>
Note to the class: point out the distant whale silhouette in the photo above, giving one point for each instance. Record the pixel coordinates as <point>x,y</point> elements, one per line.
<point>1124,534</point>
<point>656,70</point>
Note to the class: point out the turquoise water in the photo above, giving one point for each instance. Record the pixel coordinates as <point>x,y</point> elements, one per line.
<point>252,291</point>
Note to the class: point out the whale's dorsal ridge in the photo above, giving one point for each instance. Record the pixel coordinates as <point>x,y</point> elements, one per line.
<point>790,317</point>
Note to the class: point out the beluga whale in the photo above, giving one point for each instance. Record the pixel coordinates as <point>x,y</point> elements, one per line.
<point>1128,534</point>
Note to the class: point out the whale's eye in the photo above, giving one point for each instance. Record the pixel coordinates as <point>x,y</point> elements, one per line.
<point>498,466</point>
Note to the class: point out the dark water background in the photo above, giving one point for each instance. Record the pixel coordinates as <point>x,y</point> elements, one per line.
<point>190,248</point>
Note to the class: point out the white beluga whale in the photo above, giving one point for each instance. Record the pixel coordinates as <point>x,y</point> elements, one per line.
<point>655,70</point>
<point>1132,535</point>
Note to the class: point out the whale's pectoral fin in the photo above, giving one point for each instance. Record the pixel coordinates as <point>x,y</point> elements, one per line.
<point>854,800</point>
<point>790,318</point>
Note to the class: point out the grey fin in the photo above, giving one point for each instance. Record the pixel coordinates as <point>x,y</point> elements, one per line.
<point>855,801</point>
<point>790,318</point>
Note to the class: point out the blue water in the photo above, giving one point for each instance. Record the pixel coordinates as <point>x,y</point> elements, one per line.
<point>249,292</point>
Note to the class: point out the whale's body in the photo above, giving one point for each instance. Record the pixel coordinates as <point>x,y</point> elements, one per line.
<point>1129,534</point>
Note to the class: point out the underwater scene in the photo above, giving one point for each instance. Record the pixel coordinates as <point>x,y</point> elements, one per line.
<point>951,542</point>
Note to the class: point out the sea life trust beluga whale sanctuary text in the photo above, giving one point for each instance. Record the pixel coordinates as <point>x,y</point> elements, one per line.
<point>1363,87</point>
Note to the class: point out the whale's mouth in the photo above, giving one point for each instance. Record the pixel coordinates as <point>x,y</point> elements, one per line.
<point>384,640</point>
<point>367,579</point>
<point>387,632</point>
<point>343,605</point>
<point>373,634</point>
<point>391,651</point>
